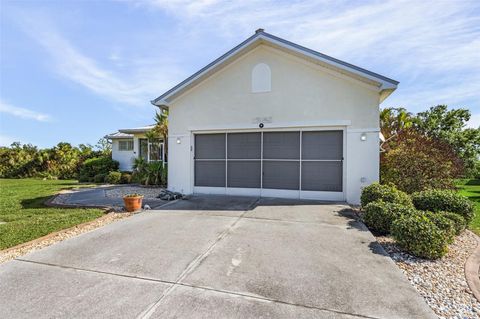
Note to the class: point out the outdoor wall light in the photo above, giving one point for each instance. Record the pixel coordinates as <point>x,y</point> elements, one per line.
<point>179,140</point>
<point>363,137</point>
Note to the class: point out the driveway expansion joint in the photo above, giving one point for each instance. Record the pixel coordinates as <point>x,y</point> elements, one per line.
<point>173,284</point>
<point>147,313</point>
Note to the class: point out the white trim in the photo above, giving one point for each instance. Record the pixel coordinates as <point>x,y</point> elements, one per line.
<point>328,196</point>
<point>282,193</point>
<point>209,190</point>
<point>363,130</point>
<point>265,38</point>
<point>325,125</point>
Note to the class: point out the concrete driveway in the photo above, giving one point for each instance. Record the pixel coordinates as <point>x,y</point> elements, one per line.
<point>215,257</point>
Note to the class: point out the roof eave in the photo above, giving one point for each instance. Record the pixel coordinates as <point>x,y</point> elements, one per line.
<point>385,84</point>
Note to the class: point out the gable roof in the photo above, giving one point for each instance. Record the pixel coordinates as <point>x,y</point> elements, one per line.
<point>385,84</point>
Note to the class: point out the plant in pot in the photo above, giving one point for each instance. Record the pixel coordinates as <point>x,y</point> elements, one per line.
<point>133,202</point>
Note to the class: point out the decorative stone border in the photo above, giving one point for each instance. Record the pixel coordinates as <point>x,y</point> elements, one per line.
<point>52,203</point>
<point>472,267</point>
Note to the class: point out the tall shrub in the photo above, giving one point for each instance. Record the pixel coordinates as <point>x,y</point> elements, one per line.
<point>415,162</point>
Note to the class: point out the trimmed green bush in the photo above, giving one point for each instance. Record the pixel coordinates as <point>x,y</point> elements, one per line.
<point>437,200</point>
<point>379,215</point>
<point>125,178</point>
<point>459,223</point>
<point>99,178</point>
<point>443,223</point>
<point>113,178</point>
<point>386,193</point>
<point>419,236</point>
<point>98,165</point>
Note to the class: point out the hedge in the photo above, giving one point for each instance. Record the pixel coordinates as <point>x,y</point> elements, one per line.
<point>387,193</point>
<point>437,200</point>
<point>379,215</point>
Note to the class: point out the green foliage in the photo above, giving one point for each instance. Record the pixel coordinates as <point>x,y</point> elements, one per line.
<point>153,173</point>
<point>449,125</point>
<point>125,178</point>
<point>96,166</point>
<point>62,161</point>
<point>419,236</point>
<point>444,200</point>
<point>113,178</point>
<point>25,216</point>
<point>99,178</point>
<point>444,224</point>
<point>393,121</point>
<point>387,193</point>
<point>458,221</point>
<point>415,162</point>
<point>379,215</point>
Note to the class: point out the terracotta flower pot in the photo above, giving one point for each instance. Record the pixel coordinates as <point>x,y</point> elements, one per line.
<point>133,203</point>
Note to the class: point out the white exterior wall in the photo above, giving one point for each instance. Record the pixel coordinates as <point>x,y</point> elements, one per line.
<point>125,158</point>
<point>302,95</point>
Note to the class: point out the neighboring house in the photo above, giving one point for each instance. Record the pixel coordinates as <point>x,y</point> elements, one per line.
<point>128,144</point>
<point>272,118</point>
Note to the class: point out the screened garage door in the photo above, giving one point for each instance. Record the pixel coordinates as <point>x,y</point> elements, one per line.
<point>263,162</point>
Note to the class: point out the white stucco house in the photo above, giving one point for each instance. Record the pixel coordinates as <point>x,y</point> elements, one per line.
<point>128,144</point>
<point>272,118</point>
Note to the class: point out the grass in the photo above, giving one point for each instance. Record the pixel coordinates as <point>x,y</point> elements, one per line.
<point>24,217</point>
<point>471,189</point>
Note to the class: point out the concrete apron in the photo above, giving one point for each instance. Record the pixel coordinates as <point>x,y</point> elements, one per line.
<point>215,257</point>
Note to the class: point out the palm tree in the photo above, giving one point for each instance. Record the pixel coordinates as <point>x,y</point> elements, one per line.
<point>161,127</point>
<point>393,121</point>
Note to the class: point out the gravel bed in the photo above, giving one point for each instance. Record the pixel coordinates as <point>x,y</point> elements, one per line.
<point>147,192</point>
<point>442,282</point>
<point>9,254</point>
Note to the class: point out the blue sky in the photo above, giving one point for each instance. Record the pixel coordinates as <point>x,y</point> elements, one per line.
<point>76,70</point>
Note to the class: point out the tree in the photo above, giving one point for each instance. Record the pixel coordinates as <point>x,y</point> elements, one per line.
<point>392,123</point>
<point>450,125</point>
<point>104,146</point>
<point>161,127</point>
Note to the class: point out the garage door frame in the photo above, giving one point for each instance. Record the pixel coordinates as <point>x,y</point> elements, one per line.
<point>320,195</point>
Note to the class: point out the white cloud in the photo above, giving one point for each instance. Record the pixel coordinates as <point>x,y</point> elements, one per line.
<point>23,113</point>
<point>144,81</point>
<point>430,46</point>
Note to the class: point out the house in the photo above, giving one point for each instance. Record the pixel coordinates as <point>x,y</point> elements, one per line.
<point>128,144</point>
<point>273,118</point>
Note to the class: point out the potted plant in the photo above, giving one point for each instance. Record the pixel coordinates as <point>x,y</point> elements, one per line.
<point>133,202</point>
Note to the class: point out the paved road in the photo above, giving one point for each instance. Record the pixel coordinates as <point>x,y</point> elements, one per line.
<point>215,257</point>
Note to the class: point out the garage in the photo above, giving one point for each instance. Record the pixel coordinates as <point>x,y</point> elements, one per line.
<point>272,118</point>
<point>299,164</point>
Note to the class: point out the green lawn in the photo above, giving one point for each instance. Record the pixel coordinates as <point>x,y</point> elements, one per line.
<point>471,189</point>
<point>23,216</point>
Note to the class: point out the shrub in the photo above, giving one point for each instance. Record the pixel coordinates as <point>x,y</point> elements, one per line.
<point>459,223</point>
<point>113,178</point>
<point>386,193</point>
<point>125,178</point>
<point>444,200</point>
<point>380,215</point>
<point>98,165</point>
<point>444,224</point>
<point>415,162</point>
<point>99,178</point>
<point>419,236</point>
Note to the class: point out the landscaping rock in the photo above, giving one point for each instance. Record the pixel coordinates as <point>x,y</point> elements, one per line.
<point>169,195</point>
<point>441,282</point>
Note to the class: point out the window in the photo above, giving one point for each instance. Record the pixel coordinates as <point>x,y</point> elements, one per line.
<point>126,145</point>
<point>261,78</point>
<point>151,150</point>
